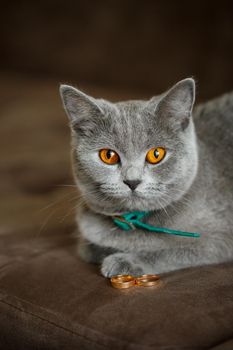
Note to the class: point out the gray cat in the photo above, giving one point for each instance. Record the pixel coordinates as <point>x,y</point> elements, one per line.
<point>148,156</point>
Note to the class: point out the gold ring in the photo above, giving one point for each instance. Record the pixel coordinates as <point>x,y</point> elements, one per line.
<point>148,280</point>
<point>122,281</point>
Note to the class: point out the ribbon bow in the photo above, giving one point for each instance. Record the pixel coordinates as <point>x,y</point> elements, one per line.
<point>131,221</point>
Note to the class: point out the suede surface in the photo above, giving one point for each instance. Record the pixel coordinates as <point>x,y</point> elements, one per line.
<point>49,299</point>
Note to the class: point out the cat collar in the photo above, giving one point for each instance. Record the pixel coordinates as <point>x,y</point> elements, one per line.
<point>131,221</point>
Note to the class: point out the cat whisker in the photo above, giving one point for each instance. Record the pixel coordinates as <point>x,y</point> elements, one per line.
<point>164,208</point>
<point>55,202</point>
<point>61,185</point>
<point>78,197</point>
<point>176,205</point>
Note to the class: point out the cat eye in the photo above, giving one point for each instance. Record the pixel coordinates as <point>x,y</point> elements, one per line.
<point>109,156</point>
<point>155,155</point>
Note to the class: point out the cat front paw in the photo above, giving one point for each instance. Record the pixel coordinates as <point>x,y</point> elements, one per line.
<point>120,264</point>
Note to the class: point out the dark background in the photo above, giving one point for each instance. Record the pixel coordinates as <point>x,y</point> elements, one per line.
<point>138,45</point>
<point>111,49</point>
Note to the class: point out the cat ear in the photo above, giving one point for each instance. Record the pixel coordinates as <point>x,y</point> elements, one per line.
<point>177,103</point>
<point>78,106</point>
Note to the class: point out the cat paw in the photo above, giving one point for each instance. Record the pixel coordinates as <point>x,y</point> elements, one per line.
<point>120,264</point>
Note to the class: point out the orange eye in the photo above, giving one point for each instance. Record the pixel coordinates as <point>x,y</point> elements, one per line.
<point>109,156</point>
<point>155,155</point>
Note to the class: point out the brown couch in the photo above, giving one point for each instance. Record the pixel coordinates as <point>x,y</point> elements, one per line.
<point>49,299</point>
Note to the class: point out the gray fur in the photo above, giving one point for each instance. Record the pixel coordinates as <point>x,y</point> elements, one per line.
<point>190,190</point>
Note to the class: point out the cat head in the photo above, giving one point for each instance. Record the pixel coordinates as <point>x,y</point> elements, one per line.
<point>133,155</point>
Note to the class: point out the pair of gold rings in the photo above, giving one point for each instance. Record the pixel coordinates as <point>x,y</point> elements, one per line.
<point>127,281</point>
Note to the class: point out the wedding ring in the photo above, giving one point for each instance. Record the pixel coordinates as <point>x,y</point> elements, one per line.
<point>148,280</point>
<point>122,281</point>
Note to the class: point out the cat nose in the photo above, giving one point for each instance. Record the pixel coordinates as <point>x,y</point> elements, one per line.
<point>132,183</point>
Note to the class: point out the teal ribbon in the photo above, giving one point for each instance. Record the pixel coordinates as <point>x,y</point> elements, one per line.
<point>131,221</point>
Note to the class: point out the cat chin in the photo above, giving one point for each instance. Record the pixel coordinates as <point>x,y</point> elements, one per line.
<point>112,209</point>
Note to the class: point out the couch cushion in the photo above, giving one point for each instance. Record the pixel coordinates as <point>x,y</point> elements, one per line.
<point>49,299</point>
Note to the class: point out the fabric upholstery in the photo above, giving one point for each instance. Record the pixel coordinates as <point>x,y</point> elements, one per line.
<point>49,299</point>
